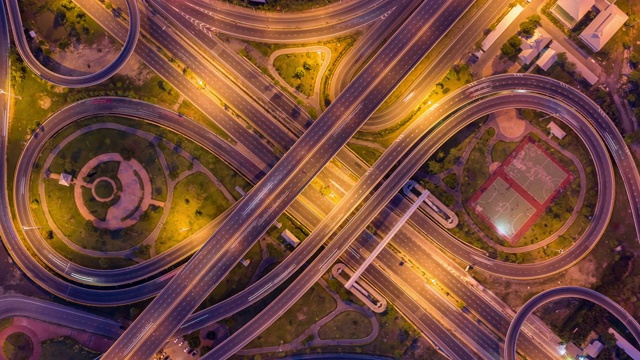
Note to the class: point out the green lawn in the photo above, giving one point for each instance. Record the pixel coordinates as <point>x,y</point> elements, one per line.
<point>315,304</point>
<point>237,280</point>
<point>65,348</point>
<point>5,323</point>
<point>176,162</point>
<point>299,70</point>
<point>17,346</point>
<point>368,154</point>
<point>189,110</point>
<point>71,159</point>
<point>502,149</point>
<point>346,325</point>
<point>73,225</point>
<point>196,202</point>
<point>292,225</point>
<point>476,171</point>
<point>228,176</point>
<point>55,20</point>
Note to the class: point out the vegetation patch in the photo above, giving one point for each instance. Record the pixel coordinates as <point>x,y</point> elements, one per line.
<point>237,280</point>
<point>300,70</point>
<point>60,23</point>
<point>196,202</point>
<point>176,163</point>
<point>366,153</point>
<point>315,304</point>
<point>5,323</point>
<point>65,348</point>
<point>71,158</point>
<point>458,76</point>
<point>285,5</point>
<point>17,346</point>
<point>475,171</point>
<point>346,325</point>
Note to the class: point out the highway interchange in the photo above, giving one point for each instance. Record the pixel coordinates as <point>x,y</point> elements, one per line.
<point>573,106</point>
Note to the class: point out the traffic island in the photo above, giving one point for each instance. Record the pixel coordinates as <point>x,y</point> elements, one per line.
<point>521,193</point>
<point>363,291</point>
<point>103,191</point>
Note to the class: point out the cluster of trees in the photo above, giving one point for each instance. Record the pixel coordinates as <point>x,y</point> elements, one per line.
<point>528,26</point>
<point>68,14</point>
<point>18,68</point>
<point>510,48</point>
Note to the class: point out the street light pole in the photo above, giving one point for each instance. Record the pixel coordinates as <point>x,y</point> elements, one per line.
<point>4,92</point>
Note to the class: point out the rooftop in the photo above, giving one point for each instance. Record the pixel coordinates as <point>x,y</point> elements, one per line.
<point>603,27</point>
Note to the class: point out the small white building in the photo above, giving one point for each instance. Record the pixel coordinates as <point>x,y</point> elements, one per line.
<point>502,26</point>
<point>65,179</point>
<point>290,238</point>
<point>547,59</point>
<point>556,130</point>
<point>533,46</point>
<point>603,27</point>
<point>593,349</point>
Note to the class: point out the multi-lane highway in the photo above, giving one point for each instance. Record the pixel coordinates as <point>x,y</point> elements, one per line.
<point>356,109</point>
<point>384,194</point>
<point>283,183</point>
<point>315,25</point>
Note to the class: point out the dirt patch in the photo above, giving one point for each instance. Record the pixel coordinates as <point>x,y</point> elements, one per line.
<point>508,123</point>
<point>82,59</point>
<point>515,293</point>
<point>44,102</point>
<point>137,70</point>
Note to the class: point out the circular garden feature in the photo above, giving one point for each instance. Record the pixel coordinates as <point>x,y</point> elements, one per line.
<point>17,346</point>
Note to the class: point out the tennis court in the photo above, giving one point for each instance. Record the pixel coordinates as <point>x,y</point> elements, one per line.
<point>520,190</point>
<point>502,207</point>
<point>536,172</point>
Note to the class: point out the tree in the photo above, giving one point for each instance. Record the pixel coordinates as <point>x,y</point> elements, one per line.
<point>634,58</point>
<point>530,24</point>
<point>515,41</point>
<point>325,190</point>
<point>306,65</point>
<point>507,50</point>
<point>527,27</point>
<point>635,77</point>
<point>561,58</point>
<point>570,67</point>
<point>435,167</point>
<point>299,73</point>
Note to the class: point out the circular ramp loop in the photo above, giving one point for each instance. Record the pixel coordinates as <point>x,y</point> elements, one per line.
<point>563,293</point>
<point>22,44</point>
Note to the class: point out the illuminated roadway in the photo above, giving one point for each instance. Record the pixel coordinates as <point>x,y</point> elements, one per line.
<point>325,23</point>
<point>283,183</point>
<point>74,81</point>
<point>561,293</point>
<point>379,200</point>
